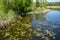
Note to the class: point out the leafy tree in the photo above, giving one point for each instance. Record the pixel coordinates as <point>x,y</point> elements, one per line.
<point>43,3</point>
<point>19,6</point>
<point>37,3</point>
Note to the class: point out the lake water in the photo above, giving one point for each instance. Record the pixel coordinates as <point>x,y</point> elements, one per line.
<point>49,21</point>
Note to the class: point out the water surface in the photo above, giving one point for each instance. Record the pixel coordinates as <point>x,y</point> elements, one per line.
<point>49,21</point>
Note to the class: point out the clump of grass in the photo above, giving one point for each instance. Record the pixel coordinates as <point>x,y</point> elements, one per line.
<point>2,14</point>
<point>10,14</point>
<point>5,16</point>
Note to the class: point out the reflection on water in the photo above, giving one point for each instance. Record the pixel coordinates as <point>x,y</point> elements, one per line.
<point>49,21</point>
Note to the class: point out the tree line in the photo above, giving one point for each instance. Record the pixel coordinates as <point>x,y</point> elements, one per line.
<point>53,4</point>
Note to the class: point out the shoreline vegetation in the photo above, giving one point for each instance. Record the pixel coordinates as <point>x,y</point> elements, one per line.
<point>7,21</point>
<point>40,12</point>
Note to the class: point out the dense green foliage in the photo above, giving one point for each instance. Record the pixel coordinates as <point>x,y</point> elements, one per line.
<point>41,3</point>
<point>20,6</point>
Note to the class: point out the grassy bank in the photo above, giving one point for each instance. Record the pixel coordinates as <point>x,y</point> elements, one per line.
<point>39,11</point>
